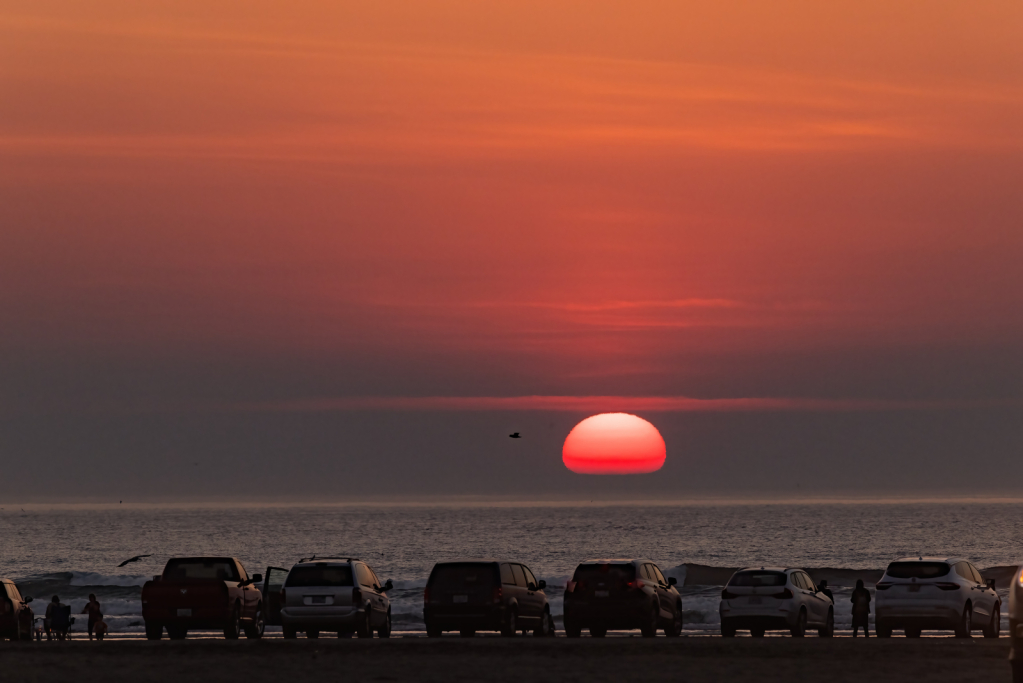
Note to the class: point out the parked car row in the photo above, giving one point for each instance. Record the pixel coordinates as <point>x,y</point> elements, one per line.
<point>345,596</point>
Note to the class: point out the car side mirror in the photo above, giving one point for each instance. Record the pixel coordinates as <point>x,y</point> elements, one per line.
<point>991,584</point>
<point>388,585</point>
<point>257,578</point>
<point>28,599</point>
<point>672,581</point>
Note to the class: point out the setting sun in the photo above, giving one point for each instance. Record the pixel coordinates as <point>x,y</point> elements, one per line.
<point>614,443</point>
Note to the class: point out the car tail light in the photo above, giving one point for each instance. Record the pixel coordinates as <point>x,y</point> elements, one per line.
<point>356,596</point>
<point>570,586</point>
<point>883,586</point>
<point>498,594</point>
<point>784,595</point>
<point>727,595</point>
<point>947,586</point>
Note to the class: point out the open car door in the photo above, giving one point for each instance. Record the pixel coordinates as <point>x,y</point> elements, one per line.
<point>273,582</point>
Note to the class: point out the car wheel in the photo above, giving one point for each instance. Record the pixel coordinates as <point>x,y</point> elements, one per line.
<point>573,630</point>
<point>882,629</point>
<point>433,632</point>
<point>177,632</point>
<point>598,631</point>
<point>912,631</point>
<point>965,627</point>
<point>727,629</point>
<point>254,631</point>
<point>799,630</point>
<point>364,629</point>
<point>467,632</point>
<point>829,626</point>
<point>545,627</point>
<point>312,634</point>
<point>233,627</point>
<point>153,631</point>
<point>511,625</point>
<point>650,630</point>
<point>756,633</point>
<point>675,630</point>
<point>290,632</point>
<point>385,630</point>
<point>994,627</point>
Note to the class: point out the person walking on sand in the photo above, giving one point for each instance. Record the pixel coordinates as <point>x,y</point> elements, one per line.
<point>861,608</point>
<point>92,608</point>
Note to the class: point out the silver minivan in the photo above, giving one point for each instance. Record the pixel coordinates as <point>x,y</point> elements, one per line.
<point>333,594</point>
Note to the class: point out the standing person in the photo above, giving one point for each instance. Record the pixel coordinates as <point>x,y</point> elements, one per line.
<point>101,627</point>
<point>51,610</point>
<point>861,608</point>
<point>823,585</point>
<point>92,608</point>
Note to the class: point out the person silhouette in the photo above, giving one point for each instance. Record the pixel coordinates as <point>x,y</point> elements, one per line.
<point>823,585</point>
<point>861,608</point>
<point>95,612</point>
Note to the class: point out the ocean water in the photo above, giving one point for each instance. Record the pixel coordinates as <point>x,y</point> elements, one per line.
<point>74,551</point>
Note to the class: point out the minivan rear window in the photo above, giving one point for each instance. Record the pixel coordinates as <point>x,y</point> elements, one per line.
<point>758,578</point>
<point>603,571</point>
<point>306,577</point>
<point>917,570</point>
<point>463,576</point>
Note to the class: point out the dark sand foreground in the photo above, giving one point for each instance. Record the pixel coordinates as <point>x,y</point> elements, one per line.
<point>494,659</point>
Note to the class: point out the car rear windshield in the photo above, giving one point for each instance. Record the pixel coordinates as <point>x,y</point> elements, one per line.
<point>462,576</point>
<point>605,570</point>
<point>300,577</point>
<point>201,569</point>
<point>758,578</point>
<point>917,570</point>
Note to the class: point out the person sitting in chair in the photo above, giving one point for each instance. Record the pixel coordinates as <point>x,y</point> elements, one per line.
<point>51,610</point>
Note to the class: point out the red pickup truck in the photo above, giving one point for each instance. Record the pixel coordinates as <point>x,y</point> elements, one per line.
<point>203,593</point>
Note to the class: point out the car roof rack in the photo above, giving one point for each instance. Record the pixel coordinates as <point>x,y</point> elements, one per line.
<point>316,558</point>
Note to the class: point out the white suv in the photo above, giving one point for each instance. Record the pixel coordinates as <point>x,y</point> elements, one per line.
<point>941,593</point>
<point>775,598</point>
<point>342,595</point>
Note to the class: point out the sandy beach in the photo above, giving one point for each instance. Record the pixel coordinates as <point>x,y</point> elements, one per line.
<point>692,660</point>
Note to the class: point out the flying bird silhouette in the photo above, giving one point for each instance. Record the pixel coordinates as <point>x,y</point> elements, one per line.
<point>134,559</point>
<point>515,435</point>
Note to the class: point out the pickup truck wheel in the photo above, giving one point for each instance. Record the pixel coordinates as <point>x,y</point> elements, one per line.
<point>511,625</point>
<point>233,627</point>
<point>312,634</point>
<point>385,630</point>
<point>598,631</point>
<point>153,631</point>
<point>254,631</point>
<point>433,632</point>
<point>290,632</point>
<point>177,632</point>
<point>572,629</point>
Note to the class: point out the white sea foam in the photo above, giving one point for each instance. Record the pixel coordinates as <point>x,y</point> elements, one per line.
<point>96,579</point>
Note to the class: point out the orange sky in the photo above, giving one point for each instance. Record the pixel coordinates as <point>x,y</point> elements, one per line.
<point>557,197</point>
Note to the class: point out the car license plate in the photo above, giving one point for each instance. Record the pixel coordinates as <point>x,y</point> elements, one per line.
<point>184,612</point>
<point>319,600</point>
<point>460,598</point>
<point>755,600</point>
<point>914,588</point>
<point>601,594</point>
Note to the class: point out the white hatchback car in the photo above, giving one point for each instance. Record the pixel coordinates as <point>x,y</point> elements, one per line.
<point>775,598</point>
<point>940,593</point>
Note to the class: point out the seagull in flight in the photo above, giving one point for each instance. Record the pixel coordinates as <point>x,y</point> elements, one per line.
<point>134,559</point>
<point>514,435</point>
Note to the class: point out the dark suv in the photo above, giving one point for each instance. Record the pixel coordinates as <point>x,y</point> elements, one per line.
<point>15,614</point>
<point>485,595</point>
<point>621,594</point>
